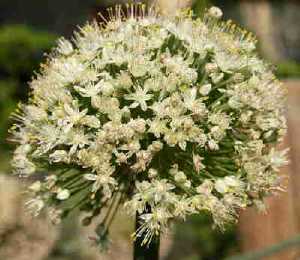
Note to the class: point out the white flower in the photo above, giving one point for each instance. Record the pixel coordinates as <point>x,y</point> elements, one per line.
<point>36,113</point>
<point>139,97</point>
<point>139,125</point>
<point>205,188</point>
<point>124,80</point>
<point>215,12</point>
<point>205,89</point>
<point>91,121</point>
<point>36,186</point>
<point>277,159</point>
<point>74,116</point>
<point>63,194</point>
<point>193,104</point>
<point>211,68</point>
<point>106,87</point>
<point>89,90</point>
<point>216,77</point>
<point>197,160</point>
<point>155,147</point>
<point>64,46</point>
<point>179,115</point>
<point>23,166</point>
<point>23,149</point>
<point>220,119</point>
<point>157,127</point>
<point>212,145</point>
<point>180,177</point>
<point>104,181</point>
<point>59,156</point>
<point>228,184</point>
<point>50,181</point>
<point>138,66</point>
<point>77,139</point>
<point>152,173</point>
<point>68,70</point>
<point>49,136</point>
<point>35,206</point>
<point>55,215</point>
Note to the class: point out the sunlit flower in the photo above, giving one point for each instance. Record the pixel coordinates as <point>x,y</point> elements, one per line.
<point>63,194</point>
<point>215,12</point>
<point>176,115</point>
<point>139,98</point>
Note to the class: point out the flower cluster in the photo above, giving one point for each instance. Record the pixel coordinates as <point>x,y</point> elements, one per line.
<point>176,115</point>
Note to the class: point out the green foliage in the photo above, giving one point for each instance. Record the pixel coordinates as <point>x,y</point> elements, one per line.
<point>21,49</point>
<point>288,69</point>
<point>200,5</point>
<point>196,240</point>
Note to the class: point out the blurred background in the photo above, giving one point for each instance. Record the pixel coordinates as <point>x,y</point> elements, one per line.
<point>30,28</point>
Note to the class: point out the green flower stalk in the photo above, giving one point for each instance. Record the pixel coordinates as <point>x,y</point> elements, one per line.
<point>176,114</point>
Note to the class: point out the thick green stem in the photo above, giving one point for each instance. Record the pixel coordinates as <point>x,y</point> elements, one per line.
<point>149,251</point>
